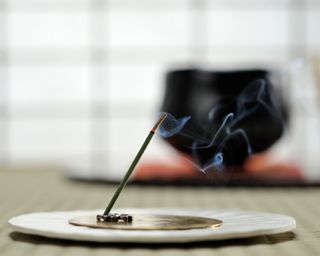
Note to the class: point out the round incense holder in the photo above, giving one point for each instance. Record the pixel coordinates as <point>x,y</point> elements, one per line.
<point>150,222</point>
<point>236,224</point>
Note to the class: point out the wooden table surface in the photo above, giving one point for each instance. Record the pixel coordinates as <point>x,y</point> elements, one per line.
<point>27,191</point>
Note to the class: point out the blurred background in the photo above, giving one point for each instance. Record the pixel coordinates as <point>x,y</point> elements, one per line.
<point>81,80</point>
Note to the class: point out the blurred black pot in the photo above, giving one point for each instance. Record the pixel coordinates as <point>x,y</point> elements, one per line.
<point>195,92</point>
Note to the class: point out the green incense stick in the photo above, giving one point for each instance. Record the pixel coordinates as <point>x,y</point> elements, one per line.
<point>133,165</point>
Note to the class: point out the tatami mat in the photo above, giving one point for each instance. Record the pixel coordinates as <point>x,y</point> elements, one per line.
<point>30,191</point>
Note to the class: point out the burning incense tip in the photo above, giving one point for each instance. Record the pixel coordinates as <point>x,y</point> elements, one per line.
<point>160,121</point>
<point>106,216</point>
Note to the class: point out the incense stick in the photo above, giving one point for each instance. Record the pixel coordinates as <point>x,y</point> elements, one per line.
<point>133,165</point>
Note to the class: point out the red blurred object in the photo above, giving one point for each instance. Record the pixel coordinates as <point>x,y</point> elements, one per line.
<point>175,168</point>
<point>257,167</point>
<point>261,166</point>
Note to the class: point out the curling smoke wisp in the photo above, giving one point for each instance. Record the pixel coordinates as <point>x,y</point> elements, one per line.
<point>228,137</point>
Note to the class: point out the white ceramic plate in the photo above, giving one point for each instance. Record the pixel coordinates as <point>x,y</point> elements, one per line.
<point>236,224</point>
